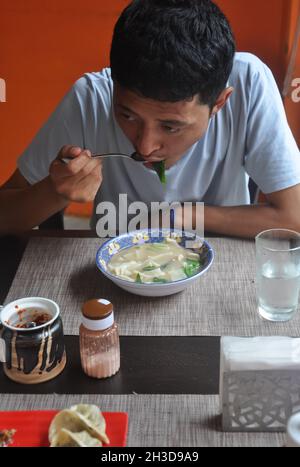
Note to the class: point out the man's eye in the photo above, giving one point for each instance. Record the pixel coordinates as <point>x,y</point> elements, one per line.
<point>127,117</point>
<point>170,129</point>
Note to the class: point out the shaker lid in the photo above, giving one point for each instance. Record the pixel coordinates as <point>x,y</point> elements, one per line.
<point>97,309</point>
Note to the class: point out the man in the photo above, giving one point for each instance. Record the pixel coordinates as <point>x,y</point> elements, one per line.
<point>177,92</point>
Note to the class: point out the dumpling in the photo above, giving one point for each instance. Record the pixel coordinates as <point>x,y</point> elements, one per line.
<point>65,419</point>
<point>77,419</point>
<point>66,438</point>
<point>94,416</point>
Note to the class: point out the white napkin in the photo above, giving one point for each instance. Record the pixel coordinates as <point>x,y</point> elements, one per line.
<point>260,353</point>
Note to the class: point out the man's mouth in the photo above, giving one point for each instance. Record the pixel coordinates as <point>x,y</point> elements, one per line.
<point>150,163</point>
<point>153,159</point>
<point>148,158</point>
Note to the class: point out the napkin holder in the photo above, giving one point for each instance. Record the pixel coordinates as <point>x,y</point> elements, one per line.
<point>258,395</point>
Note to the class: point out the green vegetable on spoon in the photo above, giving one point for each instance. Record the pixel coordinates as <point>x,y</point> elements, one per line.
<point>160,169</point>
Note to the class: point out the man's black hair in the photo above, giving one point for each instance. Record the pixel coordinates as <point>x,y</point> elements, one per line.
<point>172,50</point>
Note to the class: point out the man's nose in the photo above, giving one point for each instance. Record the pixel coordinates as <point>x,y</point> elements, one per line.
<point>147,142</point>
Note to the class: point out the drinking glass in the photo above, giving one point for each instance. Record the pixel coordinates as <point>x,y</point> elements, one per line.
<point>277,273</point>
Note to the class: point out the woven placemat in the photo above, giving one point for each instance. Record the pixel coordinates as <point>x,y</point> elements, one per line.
<point>157,421</point>
<point>221,302</point>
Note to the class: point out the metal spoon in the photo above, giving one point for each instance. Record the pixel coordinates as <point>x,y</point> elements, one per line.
<point>135,157</point>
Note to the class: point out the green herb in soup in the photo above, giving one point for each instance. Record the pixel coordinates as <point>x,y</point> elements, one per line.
<point>191,267</point>
<point>155,263</point>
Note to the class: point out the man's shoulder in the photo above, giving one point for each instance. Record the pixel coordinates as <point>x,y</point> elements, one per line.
<point>250,78</point>
<point>246,66</point>
<point>94,83</point>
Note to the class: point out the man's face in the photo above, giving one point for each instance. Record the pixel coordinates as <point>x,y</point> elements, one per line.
<point>160,130</point>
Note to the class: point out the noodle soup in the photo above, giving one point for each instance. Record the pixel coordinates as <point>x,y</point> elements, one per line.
<point>150,263</point>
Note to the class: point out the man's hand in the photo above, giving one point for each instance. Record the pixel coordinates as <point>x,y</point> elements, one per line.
<point>79,179</point>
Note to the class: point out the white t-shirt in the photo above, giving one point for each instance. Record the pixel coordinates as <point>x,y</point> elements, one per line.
<point>250,136</point>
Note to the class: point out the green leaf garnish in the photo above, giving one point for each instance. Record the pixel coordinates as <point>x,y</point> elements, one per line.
<point>191,267</point>
<point>138,279</point>
<point>160,169</point>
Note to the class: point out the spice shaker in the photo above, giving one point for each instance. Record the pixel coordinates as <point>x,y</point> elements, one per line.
<point>99,339</point>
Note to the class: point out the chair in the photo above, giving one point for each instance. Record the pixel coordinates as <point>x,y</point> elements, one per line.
<point>55,222</point>
<point>253,190</point>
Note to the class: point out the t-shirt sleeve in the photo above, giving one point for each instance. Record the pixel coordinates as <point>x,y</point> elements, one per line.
<point>272,156</point>
<point>64,127</point>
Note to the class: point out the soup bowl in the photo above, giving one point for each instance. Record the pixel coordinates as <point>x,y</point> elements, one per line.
<point>113,246</point>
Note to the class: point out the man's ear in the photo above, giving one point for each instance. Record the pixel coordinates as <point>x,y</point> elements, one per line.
<point>221,100</point>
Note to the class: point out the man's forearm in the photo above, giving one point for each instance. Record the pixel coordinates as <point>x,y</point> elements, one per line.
<point>23,209</point>
<point>246,221</point>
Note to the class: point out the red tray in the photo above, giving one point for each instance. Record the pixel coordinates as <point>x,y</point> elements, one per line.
<point>32,427</point>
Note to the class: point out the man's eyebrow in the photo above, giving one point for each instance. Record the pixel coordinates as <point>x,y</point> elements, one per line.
<point>173,122</point>
<point>126,108</point>
<point>165,122</point>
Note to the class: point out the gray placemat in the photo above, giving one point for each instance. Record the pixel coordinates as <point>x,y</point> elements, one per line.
<point>164,421</point>
<point>221,302</point>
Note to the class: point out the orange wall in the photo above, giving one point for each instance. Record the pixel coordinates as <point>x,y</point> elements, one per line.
<point>259,28</point>
<point>46,46</point>
<point>293,108</point>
